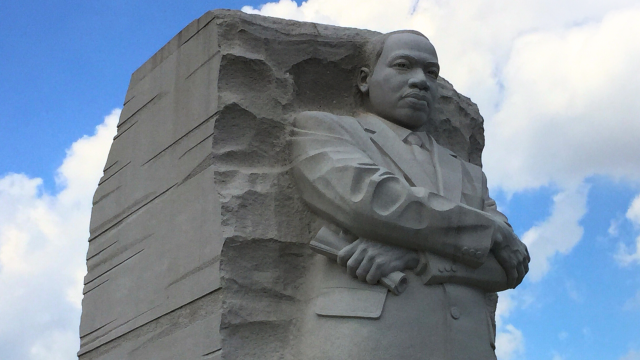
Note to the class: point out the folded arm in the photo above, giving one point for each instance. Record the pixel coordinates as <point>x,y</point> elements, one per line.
<point>341,182</point>
<point>508,251</point>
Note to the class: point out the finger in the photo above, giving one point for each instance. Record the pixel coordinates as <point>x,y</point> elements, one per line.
<point>375,273</point>
<point>509,266</point>
<point>354,263</point>
<point>521,273</point>
<point>512,277</point>
<point>347,252</point>
<point>365,266</point>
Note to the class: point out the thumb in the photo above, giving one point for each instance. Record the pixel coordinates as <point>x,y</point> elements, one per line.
<point>347,252</point>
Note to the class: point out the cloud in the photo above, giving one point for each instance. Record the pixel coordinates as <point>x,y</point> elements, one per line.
<point>557,356</point>
<point>43,243</point>
<point>509,343</point>
<point>614,227</point>
<point>633,213</point>
<point>633,303</point>
<point>506,305</point>
<point>559,233</point>
<point>509,339</point>
<point>573,291</point>
<point>631,355</point>
<point>626,255</point>
<point>569,109</point>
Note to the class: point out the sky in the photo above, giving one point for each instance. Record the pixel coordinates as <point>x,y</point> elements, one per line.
<point>556,83</point>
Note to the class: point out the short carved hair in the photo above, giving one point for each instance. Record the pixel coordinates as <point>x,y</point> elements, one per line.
<point>370,54</point>
<point>373,48</point>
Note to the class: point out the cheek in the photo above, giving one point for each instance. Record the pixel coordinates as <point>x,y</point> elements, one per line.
<point>386,91</point>
<point>393,82</point>
<point>380,91</point>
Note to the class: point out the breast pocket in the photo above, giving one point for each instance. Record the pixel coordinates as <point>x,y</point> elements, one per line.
<point>357,303</point>
<point>340,295</point>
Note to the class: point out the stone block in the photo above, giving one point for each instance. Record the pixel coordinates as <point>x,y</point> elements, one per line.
<point>198,235</point>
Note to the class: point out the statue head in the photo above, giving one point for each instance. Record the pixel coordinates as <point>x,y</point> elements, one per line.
<point>399,78</point>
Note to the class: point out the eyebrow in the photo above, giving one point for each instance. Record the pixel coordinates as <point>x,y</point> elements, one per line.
<point>397,55</point>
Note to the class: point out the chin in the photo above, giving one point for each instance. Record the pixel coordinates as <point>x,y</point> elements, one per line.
<point>411,119</point>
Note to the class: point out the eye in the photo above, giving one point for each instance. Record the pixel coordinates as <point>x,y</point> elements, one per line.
<point>402,65</point>
<point>433,73</point>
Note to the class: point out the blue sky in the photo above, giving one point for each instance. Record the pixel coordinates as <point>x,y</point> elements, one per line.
<point>556,82</point>
<point>65,65</point>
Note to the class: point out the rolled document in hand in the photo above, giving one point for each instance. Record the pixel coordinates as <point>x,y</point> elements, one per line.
<point>329,244</point>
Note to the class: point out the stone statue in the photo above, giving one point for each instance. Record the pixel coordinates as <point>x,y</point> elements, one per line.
<point>400,202</point>
<point>221,176</point>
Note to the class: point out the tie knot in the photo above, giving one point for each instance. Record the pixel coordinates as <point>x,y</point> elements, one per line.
<point>413,139</point>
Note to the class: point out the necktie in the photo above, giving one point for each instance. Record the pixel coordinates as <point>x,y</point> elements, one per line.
<point>413,139</point>
<point>425,156</point>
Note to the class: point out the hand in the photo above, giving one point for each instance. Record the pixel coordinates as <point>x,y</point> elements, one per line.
<point>370,261</point>
<point>511,253</point>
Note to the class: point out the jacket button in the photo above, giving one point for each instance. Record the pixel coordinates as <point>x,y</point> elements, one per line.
<point>440,269</point>
<point>447,268</point>
<point>455,313</point>
<point>479,255</point>
<point>465,250</point>
<point>454,268</point>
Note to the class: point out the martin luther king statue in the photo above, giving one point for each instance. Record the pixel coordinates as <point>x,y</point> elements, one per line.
<point>232,223</point>
<point>400,204</point>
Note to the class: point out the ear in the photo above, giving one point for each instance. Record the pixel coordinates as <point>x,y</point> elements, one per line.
<point>363,80</point>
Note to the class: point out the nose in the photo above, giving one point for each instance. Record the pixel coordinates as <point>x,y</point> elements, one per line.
<point>419,81</point>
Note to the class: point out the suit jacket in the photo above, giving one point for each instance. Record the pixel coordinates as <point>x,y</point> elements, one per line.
<point>360,175</point>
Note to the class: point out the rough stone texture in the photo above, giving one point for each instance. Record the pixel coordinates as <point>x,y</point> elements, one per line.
<point>198,237</point>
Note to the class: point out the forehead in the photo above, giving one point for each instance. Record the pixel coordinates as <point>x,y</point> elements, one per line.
<point>409,44</point>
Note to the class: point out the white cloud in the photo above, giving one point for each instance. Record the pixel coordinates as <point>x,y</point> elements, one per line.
<point>557,356</point>
<point>626,255</point>
<point>573,291</point>
<point>633,213</point>
<point>633,303</point>
<point>509,343</point>
<point>614,227</point>
<point>43,243</point>
<point>55,345</point>
<point>509,339</point>
<point>569,109</point>
<point>559,233</point>
<point>631,355</point>
<point>506,305</point>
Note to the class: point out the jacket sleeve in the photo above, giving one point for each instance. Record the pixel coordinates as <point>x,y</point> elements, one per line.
<point>490,206</point>
<point>341,183</point>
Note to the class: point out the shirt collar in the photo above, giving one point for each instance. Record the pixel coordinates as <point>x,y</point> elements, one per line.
<point>402,132</point>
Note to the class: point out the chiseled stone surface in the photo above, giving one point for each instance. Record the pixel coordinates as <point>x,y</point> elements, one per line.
<point>198,245</point>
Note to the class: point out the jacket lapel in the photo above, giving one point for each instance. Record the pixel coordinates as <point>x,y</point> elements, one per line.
<point>448,167</point>
<point>387,142</point>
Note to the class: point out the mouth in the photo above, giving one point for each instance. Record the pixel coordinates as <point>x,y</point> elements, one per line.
<point>417,95</point>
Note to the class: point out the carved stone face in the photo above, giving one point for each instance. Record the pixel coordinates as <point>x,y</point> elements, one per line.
<point>403,85</point>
